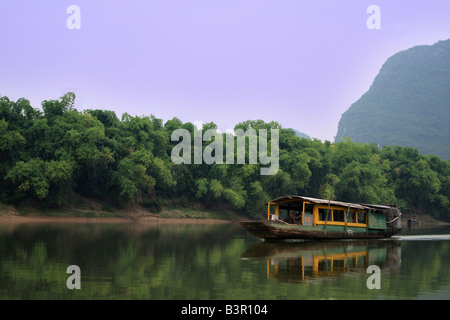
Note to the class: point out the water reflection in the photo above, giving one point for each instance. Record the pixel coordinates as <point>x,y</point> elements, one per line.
<point>304,261</point>
<point>132,261</point>
<point>206,262</point>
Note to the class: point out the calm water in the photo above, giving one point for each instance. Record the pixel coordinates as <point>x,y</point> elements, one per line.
<point>223,262</point>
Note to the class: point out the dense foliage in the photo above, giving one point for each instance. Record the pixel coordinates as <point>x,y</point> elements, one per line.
<point>51,154</point>
<point>408,103</point>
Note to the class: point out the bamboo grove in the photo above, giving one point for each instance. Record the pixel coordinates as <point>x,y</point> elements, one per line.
<point>48,155</point>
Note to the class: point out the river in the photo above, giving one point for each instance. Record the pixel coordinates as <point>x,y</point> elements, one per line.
<point>214,262</point>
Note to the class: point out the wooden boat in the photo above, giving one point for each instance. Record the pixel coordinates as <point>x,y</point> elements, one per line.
<point>299,217</point>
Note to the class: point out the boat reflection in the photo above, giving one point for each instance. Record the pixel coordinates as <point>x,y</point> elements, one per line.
<point>303,261</point>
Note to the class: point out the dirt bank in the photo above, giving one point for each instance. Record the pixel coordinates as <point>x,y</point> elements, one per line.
<point>14,218</point>
<point>90,211</point>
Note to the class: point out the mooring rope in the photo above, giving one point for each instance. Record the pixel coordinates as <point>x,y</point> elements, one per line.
<point>395,218</point>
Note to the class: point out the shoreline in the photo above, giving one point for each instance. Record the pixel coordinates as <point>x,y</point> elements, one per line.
<point>16,218</point>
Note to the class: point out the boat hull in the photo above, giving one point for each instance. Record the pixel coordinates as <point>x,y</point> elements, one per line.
<point>277,230</point>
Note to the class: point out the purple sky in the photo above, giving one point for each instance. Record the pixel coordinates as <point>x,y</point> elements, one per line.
<point>301,63</point>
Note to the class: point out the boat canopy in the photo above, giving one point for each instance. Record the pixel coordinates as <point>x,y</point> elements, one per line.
<point>319,201</point>
<point>379,207</point>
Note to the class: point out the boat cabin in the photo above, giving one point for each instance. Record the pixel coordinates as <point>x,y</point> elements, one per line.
<point>312,211</point>
<point>299,217</point>
<point>307,211</point>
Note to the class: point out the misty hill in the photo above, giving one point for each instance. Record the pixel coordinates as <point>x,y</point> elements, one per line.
<point>301,134</point>
<point>408,103</point>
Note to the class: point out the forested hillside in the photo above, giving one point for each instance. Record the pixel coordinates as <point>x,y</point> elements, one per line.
<point>408,103</point>
<point>52,153</point>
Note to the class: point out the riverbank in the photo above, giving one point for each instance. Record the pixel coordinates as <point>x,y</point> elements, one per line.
<point>16,219</point>
<point>131,214</point>
<point>91,212</point>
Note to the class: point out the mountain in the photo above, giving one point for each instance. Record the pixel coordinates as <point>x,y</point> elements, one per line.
<point>301,134</point>
<point>408,103</point>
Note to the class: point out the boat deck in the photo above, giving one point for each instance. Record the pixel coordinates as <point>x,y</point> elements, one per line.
<point>280,230</point>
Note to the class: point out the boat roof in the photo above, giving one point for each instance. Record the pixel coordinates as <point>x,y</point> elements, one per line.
<point>381,206</point>
<point>322,201</point>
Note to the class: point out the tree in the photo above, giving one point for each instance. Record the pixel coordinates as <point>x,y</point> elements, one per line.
<point>36,176</point>
<point>50,156</point>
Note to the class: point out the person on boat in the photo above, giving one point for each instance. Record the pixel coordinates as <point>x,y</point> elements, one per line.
<point>298,218</point>
<point>290,218</point>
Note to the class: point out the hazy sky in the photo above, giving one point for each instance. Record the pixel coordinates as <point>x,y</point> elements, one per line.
<point>301,63</point>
